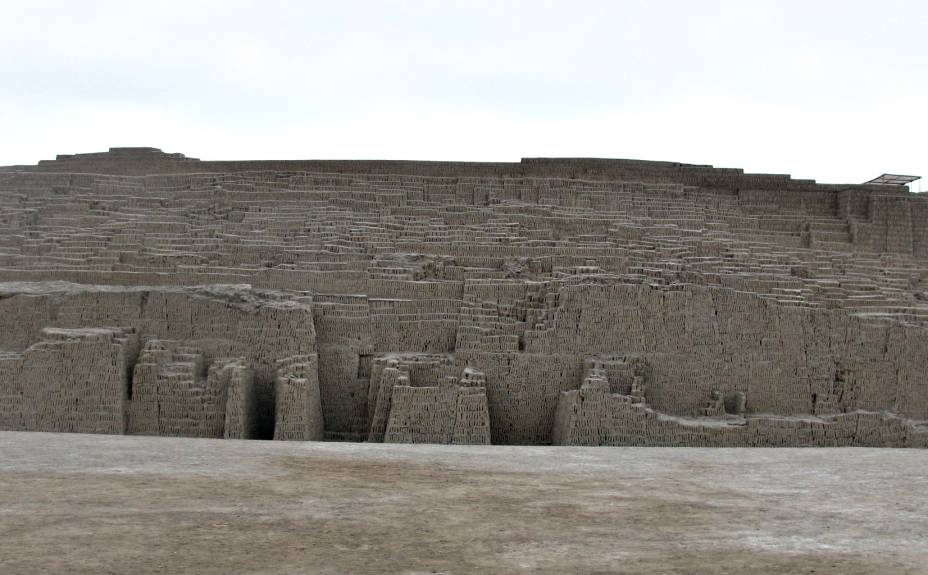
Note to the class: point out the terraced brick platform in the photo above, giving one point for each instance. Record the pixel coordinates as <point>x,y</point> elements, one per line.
<point>566,301</point>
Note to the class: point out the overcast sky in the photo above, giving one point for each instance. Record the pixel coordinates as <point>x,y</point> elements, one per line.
<point>835,91</point>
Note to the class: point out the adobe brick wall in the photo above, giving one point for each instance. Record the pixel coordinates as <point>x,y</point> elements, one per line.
<point>552,300</point>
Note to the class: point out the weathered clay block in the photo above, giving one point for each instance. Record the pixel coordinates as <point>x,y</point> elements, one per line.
<point>448,413</point>
<point>73,380</point>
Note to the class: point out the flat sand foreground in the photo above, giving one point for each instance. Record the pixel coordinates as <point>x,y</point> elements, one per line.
<point>112,504</point>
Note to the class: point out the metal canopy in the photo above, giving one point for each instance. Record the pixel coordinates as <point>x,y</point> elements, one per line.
<point>893,180</point>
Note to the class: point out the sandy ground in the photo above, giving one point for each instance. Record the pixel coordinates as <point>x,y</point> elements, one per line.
<point>98,504</point>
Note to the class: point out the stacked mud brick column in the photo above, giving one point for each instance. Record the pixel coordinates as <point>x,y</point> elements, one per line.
<point>299,407</point>
<point>234,375</point>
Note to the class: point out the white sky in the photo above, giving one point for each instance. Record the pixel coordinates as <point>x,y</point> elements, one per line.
<point>835,91</point>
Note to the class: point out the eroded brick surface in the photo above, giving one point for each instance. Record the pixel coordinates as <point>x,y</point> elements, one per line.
<point>584,302</point>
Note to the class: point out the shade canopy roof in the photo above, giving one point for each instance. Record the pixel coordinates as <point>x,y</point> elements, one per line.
<point>893,180</point>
